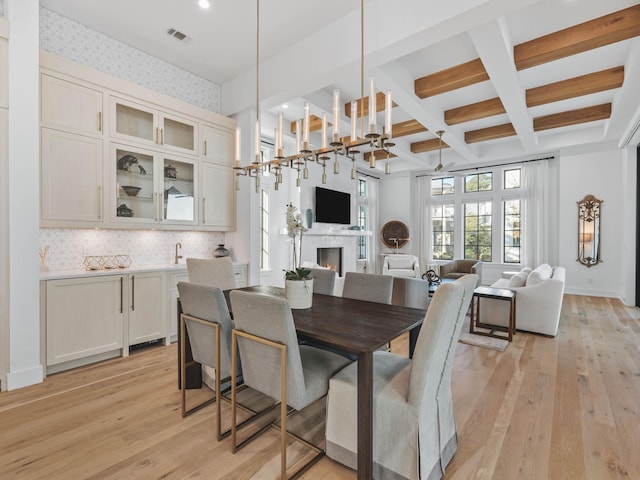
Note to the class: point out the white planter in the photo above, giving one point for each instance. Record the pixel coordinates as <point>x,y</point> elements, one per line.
<point>299,293</point>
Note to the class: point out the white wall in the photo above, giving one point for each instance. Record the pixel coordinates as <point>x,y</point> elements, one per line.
<point>24,317</point>
<point>600,174</point>
<point>396,204</point>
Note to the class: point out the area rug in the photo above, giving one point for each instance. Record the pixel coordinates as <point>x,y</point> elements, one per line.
<point>481,340</point>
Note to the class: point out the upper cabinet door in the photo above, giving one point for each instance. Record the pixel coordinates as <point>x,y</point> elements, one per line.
<point>134,122</point>
<point>217,145</point>
<point>178,134</point>
<point>143,124</point>
<point>70,178</point>
<point>70,106</point>
<point>218,197</point>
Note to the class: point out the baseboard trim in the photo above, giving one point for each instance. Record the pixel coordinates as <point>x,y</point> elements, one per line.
<point>24,378</point>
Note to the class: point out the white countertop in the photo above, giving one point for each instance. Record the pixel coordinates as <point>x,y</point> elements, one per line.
<point>80,272</point>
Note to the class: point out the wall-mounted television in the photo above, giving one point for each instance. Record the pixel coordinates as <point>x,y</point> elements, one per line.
<point>332,206</point>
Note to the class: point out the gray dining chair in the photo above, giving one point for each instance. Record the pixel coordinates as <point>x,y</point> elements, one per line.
<point>410,292</point>
<point>368,287</point>
<point>217,272</point>
<point>207,320</point>
<point>324,280</point>
<point>407,395</point>
<point>274,364</point>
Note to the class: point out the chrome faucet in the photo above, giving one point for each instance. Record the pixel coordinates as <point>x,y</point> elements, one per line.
<point>178,257</point>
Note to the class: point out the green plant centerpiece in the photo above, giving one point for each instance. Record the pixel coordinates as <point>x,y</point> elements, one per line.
<point>298,280</point>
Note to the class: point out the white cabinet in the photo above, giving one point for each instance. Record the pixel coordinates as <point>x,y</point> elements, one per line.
<point>218,197</point>
<point>69,106</point>
<point>4,64</point>
<point>240,272</point>
<point>145,124</point>
<point>84,317</point>
<point>217,145</point>
<point>70,178</point>
<point>172,301</point>
<point>146,307</point>
<point>152,187</point>
<point>116,155</point>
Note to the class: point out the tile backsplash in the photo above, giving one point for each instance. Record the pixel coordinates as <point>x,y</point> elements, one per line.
<point>67,247</point>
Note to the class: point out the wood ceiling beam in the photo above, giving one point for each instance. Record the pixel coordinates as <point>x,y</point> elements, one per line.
<point>474,111</point>
<point>449,79</point>
<point>410,127</point>
<point>427,145</point>
<point>572,117</point>
<point>575,87</point>
<point>315,123</point>
<point>490,133</point>
<point>380,98</point>
<point>595,33</point>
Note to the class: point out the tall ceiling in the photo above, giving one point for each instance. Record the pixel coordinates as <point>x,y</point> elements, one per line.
<point>504,79</point>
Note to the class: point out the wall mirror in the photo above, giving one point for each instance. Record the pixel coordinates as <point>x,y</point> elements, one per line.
<point>589,231</point>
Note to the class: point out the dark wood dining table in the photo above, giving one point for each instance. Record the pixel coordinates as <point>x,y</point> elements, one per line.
<point>357,328</point>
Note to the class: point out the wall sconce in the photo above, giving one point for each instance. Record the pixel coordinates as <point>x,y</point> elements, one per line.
<point>589,231</point>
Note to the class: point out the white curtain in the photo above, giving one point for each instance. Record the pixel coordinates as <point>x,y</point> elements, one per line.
<point>536,209</point>
<point>423,221</point>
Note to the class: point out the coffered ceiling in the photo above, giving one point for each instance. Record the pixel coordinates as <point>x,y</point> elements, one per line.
<point>505,79</point>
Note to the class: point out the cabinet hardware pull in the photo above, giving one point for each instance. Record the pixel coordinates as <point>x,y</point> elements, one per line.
<point>99,202</point>
<point>205,148</point>
<point>100,121</point>
<point>155,140</point>
<point>133,293</point>
<point>162,136</point>
<point>121,294</point>
<point>160,213</point>
<point>204,210</point>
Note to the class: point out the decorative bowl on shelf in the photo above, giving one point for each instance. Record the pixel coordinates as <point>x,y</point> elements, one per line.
<point>170,171</point>
<point>131,190</point>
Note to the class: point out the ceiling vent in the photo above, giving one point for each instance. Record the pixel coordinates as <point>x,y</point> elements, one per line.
<point>177,34</point>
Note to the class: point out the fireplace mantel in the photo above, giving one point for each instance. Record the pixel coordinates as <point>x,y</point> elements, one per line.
<point>329,232</point>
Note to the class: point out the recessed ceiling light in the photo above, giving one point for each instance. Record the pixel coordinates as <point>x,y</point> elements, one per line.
<point>204,3</point>
<point>285,106</point>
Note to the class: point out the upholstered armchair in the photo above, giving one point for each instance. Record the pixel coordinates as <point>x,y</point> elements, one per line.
<point>458,268</point>
<point>401,266</point>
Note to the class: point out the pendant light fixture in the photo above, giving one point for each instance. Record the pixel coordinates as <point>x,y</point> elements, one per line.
<point>348,146</point>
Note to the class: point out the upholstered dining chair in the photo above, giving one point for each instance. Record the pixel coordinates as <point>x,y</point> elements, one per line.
<point>217,272</point>
<point>368,287</point>
<point>206,318</point>
<point>410,292</point>
<point>274,364</point>
<point>408,397</point>
<point>324,280</point>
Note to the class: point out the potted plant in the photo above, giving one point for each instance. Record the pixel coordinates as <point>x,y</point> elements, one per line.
<point>298,285</point>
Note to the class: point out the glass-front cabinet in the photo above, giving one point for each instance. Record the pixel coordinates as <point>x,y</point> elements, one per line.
<point>152,187</point>
<point>140,123</point>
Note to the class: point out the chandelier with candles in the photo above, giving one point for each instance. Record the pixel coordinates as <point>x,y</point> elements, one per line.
<point>348,146</point>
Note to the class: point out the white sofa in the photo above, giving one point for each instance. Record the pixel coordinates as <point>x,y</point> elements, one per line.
<point>401,265</point>
<point>538,300</point>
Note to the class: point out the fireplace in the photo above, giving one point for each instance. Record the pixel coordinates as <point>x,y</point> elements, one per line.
<point>330,258</point>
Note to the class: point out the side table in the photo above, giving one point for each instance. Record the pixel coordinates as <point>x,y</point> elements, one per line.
<point>495,294</point>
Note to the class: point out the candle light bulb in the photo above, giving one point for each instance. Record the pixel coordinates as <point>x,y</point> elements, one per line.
<point>336,115</point>
<point>237,148</point>
<point>373,111</point>
<point>354,120</point>
<point>324,130</point>
<point>388,105</point>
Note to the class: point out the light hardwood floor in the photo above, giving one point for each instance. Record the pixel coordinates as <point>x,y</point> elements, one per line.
<point>562,408</point>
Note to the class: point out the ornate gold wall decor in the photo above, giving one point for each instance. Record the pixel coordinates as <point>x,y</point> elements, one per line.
<point>589,231</point>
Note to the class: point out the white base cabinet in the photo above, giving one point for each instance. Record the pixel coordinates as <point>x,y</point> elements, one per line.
<point>146,307</point>
<point>89,317</point>
<point>85,317</point>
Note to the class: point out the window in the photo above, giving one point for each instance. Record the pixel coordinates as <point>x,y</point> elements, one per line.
<point>362,240</point>
<point>364,211</point>
<point>478,182</point>
<point>478,215</point>
<point>511,209</point>
<point>362,187</point>
<point>442,217</point>
<point>512,178</point>
<point>443,186</point>
<point>477,231</point>
<point>264,229</point>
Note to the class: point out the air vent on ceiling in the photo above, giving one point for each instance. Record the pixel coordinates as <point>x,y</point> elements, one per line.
<point>176,34</point>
